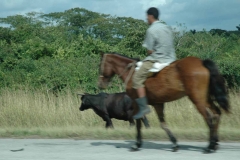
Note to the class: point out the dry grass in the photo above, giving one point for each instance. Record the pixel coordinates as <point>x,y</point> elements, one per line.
<point>24,113</point>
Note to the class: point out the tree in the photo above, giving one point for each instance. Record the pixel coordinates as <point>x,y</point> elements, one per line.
<point>238,27</point>
<point>193,31</point>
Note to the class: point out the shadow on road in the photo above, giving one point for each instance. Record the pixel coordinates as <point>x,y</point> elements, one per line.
<point>148,145</point>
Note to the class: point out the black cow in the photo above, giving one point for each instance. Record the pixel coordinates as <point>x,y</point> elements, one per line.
<point>107,106</point>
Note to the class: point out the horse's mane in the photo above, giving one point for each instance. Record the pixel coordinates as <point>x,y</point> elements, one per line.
<point>135,59</point>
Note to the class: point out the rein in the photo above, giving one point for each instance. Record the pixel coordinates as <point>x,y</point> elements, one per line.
<point>126,69</point>
<point>132,65</point>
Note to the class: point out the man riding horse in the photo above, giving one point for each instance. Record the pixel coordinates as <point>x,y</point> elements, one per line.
<point>198,79</point>
<point>160,48</point>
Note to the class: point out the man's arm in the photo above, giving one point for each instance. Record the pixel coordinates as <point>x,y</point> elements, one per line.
<point>149,42</point>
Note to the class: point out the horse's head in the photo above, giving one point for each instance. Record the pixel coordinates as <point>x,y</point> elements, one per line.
<point>106,71</point>
<point>112,64</point>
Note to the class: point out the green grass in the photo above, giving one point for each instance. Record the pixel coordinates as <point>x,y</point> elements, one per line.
<point>28,114</point>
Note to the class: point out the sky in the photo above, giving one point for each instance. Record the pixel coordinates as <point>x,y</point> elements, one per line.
<point>195,14</point>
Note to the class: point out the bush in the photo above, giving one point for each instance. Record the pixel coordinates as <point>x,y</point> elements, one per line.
<point>55,51</point>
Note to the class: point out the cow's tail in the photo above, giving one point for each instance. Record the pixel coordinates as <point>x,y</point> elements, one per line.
<point>218,91</point>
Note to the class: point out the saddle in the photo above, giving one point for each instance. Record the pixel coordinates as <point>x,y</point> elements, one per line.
<point>157,67</point>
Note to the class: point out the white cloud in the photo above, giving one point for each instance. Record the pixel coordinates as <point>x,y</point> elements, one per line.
<point>10,4</point>
<point>152,3</point>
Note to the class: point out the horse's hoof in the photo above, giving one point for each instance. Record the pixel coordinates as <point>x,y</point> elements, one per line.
<point>175,148</point>
<point>134,148</point>
<point>207,151</point>
<point>211,148</point>
<point>216,147</point>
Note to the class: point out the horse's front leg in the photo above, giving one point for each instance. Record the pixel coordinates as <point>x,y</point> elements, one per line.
<point>138,144</point>
<point>145,122</point>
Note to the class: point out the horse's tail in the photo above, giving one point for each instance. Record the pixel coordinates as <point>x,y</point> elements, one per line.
<point>217,87</point>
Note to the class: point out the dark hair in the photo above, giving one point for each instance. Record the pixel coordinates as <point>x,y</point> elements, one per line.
<point>154,12</point>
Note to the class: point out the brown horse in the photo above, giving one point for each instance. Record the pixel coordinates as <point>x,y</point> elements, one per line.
<point>198,79</point>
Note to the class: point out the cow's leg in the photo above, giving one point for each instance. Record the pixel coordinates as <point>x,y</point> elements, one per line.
<point>145,122</point>
<point>108,120</point>
<point>131,122</point>
<point>160,112</point>
<point>129,117</point>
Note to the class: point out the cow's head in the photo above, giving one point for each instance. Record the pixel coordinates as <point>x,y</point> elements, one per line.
<point>92,101</point>
<point>86,102</point>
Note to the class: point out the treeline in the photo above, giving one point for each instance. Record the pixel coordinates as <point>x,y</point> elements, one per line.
<point>61,49</point>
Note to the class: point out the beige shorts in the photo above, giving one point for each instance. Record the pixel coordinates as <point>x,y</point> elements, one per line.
<point>140,76</point>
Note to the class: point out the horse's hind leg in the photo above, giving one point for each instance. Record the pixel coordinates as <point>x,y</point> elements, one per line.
<point>212,119</point>
<point>160,112</point>
<point>214,114</point>
<point>196,85</point>
<point>209,117</point>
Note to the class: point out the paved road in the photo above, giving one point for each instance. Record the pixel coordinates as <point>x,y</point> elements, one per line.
<point>47,149</point>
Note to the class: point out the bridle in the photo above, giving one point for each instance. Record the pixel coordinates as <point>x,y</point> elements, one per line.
<point>130,65</point>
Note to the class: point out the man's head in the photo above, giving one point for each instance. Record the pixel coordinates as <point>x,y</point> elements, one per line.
<point>152,15</point>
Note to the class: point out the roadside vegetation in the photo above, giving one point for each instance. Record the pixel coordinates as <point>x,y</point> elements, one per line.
<point>26,113</point>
